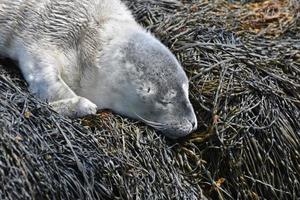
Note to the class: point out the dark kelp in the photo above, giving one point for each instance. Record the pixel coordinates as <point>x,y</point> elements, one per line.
<point>245,83</point>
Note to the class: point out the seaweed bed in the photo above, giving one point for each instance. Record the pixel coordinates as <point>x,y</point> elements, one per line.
<point>243,61</point>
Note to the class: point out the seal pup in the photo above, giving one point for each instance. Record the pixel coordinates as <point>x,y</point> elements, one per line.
<point>84,55</point>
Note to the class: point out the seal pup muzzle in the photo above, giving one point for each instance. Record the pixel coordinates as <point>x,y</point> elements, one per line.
<point>84,55</point>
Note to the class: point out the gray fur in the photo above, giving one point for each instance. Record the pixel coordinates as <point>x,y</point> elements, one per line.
<point>81,55</point>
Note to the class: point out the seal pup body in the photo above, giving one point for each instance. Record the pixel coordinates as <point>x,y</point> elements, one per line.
<point>84,55</point>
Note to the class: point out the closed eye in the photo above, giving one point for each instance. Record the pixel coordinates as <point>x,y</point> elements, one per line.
<point>165,102</point>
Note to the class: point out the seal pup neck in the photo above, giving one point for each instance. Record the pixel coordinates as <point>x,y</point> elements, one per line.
<point>102,56</point>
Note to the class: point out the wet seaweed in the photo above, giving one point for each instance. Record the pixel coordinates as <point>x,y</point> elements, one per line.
<point>45,156</point>
<point>244,85</point>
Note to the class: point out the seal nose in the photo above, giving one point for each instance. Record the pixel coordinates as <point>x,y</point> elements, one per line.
<point>191,116</point>
<point>194,124</point>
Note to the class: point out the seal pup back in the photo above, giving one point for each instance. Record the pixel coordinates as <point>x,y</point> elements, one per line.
<point>84,55</point>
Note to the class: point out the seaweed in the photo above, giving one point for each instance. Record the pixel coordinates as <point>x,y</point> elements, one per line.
<point>244,85</point>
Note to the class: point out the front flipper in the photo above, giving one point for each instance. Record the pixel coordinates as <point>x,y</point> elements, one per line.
<point>74,107</point>
<point>42,72</point>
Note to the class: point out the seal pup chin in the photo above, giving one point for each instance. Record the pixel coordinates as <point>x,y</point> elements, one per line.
<point>85,55</point>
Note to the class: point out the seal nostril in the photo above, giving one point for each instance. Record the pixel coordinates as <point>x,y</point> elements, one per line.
<point>194,124</point>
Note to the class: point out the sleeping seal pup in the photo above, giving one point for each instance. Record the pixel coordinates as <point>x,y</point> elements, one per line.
<point>84,55</point>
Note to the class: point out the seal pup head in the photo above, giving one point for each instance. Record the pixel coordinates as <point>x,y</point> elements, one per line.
<point>149,84</point>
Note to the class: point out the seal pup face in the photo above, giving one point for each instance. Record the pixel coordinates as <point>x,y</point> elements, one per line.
<point>151,86</point>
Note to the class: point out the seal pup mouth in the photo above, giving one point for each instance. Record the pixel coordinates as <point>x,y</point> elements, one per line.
<point>172,130</point>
